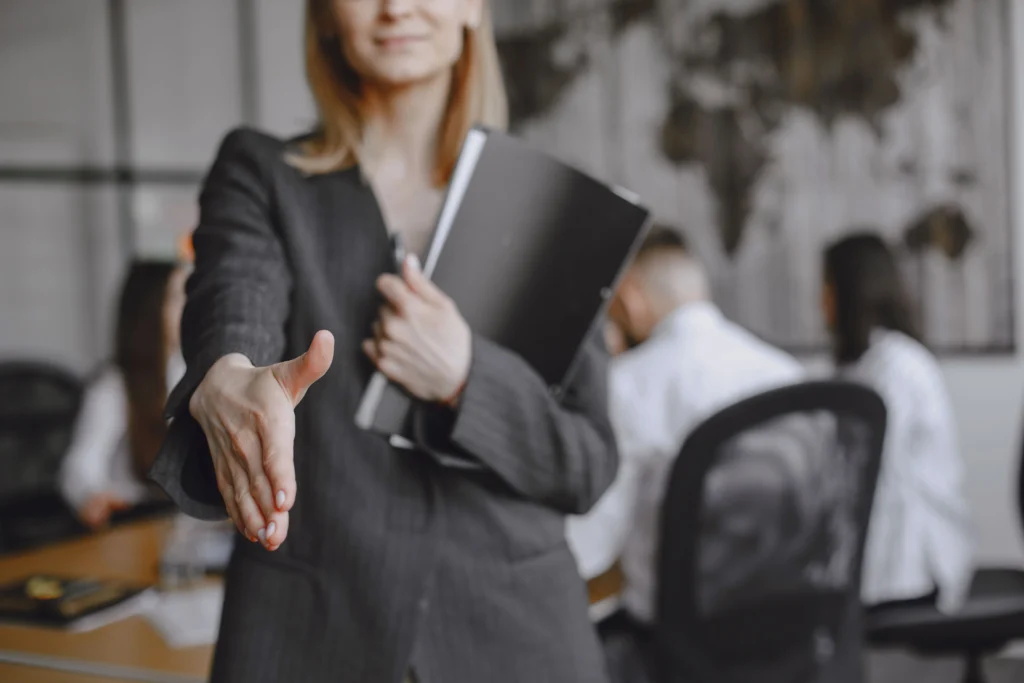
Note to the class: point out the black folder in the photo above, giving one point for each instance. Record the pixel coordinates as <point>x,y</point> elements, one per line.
<point>530,250</point>
<point>77,604</point>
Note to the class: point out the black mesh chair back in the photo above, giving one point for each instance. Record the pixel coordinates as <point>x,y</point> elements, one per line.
<point>762,535</point>
<point>38,406</point>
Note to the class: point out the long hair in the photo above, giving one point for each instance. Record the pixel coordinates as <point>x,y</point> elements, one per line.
<point>477,96</point>
<point>140,353</point>
<point>869,293</point>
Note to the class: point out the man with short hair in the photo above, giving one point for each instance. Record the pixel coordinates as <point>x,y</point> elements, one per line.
<point>685,361</point>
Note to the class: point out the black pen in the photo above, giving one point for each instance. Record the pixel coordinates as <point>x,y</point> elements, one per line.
<point>398,250</point>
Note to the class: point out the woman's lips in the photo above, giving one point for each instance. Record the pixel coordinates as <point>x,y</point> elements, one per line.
<point>397,42</point>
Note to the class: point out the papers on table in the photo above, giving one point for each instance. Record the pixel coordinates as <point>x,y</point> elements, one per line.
<point>189,617</point>
<point>139,604</point>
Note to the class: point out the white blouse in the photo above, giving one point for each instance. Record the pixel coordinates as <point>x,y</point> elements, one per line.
<point>98,460</point>
<point>919,538</point>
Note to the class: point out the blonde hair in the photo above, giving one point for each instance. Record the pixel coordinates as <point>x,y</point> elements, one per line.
<point>477,96</point>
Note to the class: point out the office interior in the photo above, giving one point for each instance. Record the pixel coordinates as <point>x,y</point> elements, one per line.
<point>110,113</point>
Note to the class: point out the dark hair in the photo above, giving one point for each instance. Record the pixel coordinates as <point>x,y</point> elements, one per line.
<point>140,354</point>
<point>869,293</point>
<point>664,236</point>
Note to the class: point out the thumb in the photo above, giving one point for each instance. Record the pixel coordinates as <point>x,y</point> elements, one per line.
<point>298,374</point>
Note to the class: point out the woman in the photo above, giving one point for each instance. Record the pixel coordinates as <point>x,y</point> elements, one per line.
<point>120,426</point>
<point>446,563</point>
<point>918,544</point>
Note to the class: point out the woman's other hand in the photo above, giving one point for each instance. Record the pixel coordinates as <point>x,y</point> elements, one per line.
<point>420,340</point>
<point>248,416</point>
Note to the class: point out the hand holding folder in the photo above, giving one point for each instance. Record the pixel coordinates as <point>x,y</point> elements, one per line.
<point>420,341</point>
<point>528,250</point>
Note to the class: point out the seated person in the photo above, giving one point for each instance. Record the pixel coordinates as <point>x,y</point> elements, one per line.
<point>120,425</point>
<point>919,538</point>
<point>685,362</point>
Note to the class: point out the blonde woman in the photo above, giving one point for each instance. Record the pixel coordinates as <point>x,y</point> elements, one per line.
<point>369,564</point>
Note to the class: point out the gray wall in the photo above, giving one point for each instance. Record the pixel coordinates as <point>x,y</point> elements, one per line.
<point>61,253</point>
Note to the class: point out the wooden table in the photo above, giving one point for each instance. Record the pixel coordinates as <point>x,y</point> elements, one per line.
<point>605,586</point>
<point>604,593</point>
<point>15,673</point>
<point>132,647</point>
<point>129,649</point>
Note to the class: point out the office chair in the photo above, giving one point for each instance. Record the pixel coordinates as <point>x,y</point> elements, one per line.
<point>762,535</point>
<point>38,405</point>
<point>991,617</point>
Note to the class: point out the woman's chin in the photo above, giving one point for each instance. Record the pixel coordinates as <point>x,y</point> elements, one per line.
<point>400,75</point>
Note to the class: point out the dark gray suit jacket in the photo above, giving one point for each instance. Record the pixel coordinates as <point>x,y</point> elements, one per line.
<point>394,559</point>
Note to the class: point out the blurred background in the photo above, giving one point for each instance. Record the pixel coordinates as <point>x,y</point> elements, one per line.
<point>110,112</point>
<point>764,127</point>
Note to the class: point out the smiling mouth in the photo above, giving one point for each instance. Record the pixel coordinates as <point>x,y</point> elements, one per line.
<point>398,42</point>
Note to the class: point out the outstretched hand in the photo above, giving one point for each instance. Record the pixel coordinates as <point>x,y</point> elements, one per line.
<point>248,416</point>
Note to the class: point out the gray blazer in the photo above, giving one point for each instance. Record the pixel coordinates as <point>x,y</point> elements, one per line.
<point>395,560</point>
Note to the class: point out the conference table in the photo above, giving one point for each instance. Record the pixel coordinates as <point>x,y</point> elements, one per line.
<point>131,649</point>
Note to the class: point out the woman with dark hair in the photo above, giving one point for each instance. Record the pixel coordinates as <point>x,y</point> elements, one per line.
<point>918,545</point>
<point>121,426</point>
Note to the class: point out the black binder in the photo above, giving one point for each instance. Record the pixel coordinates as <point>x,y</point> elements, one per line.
<point>530,250</point>
<point>76,604</point>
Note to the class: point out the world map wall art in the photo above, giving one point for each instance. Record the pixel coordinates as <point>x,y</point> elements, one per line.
<point>765,129</point>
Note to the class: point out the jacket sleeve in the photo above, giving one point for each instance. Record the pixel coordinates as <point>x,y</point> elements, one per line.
<point>238,299</point>
<point>559,451</point>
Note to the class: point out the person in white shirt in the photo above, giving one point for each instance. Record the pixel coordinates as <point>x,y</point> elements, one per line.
<point>919,538</point>
<point>685,362</point>
<point>120,425</point>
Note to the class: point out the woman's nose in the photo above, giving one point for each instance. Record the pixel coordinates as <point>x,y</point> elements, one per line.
<point>396,8</point>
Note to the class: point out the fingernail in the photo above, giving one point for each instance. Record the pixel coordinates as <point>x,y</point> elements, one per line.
<point>263,535</point>
<point>280,499</point>
<point>271,528</point>
<point>414,261</point>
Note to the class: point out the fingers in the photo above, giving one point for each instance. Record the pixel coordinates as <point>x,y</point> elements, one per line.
<point>297,375</point>
<point>231,453</point>
<point>420,283</point>
<point>277,531</point>
<point>248,513</point>
<point>395,291</point>
<point>372,349</point>
<point>227,493</point>
<point>276,472</point>
<point>238,481</point>
<point>388,328</point>
<point>277,468</point>
<point>390,358</point>
<point>220,452</point>
<point>390,325</point>
<point>262,492</point>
